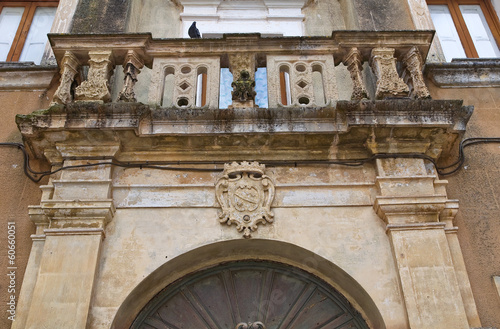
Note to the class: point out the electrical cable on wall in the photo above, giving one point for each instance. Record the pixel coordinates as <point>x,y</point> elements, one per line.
<point>37,176</point>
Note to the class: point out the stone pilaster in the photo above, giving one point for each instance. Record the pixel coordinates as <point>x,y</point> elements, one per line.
<point>131,68</point>
<point>447,216</point>
<point>75,209</point>
<point>410,205</point>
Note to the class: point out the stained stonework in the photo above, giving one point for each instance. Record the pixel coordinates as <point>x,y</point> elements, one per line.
<point>69,69</point>
<point>183,86</point>
<point>311,80</point>
<point>96,87</point>
<point>389,84</point>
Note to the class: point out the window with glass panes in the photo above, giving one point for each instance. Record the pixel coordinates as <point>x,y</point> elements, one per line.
<point>24,26</point>
<point>466,28</point>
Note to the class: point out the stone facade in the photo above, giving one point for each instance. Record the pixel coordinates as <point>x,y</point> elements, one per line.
<point>342,187</point>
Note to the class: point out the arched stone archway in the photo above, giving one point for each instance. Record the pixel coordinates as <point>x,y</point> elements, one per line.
<point>249,294</point>
<point>298,264</point>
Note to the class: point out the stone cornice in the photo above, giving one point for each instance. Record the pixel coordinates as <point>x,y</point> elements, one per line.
<point>465,73</point>
<point>349,126</point>
<point>26,77</point>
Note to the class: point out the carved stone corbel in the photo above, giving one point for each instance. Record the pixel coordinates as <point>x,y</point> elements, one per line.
<point>389,84</point>
<point>131,68</point>
<point>245,195</point>
<point>69,69</point>
<point>353,63</point>
<point>96,87</point>
<point>413,74</point>
<point>239,63</point>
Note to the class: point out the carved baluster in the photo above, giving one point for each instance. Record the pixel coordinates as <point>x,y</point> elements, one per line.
<point>242,66</point>
<point>389,83</point>
<point>96,87</point>
<point>413,74</point>
<point>69,69</point>
<point>353,63</point>
<point>131,68</point>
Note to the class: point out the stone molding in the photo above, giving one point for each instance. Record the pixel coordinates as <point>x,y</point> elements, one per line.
<point>467,73</point>
<point>18,77</point>
<point>131,122</point>
<point>397,210</point>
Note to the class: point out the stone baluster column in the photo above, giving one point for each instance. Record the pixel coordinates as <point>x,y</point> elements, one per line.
<point>410,205</point>
<point>69,69</point>
<point>242,66</point>
<point>131,68</point>
<point>96,87</point>
<point>389,84</point>
<point>353,63</point>
<point>412,74</point>
<point>77,213</point>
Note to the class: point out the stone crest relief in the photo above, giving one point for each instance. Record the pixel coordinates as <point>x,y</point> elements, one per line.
<point>245,195</point>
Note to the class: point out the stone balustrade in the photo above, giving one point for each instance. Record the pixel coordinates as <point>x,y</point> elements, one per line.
<point>185,73</point>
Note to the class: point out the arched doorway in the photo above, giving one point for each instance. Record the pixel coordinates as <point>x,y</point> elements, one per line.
<point>249,294</point>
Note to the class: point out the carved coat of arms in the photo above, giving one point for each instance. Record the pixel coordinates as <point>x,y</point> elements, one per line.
<point>245,195</point>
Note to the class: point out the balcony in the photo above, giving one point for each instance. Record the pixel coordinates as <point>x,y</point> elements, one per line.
<point>387,107</point>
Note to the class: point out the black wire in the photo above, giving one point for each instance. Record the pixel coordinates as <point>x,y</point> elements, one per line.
<point>37,176</point>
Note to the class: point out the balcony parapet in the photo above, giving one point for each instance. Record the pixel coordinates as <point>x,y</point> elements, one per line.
<point>187,70</point>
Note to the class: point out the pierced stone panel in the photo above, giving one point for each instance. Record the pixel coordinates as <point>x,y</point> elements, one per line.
<point>250,295</point>
<point>186,82</point>
<point>301,81</point>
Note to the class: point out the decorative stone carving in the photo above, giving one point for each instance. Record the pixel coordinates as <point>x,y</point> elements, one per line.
<point>250,325</point>
<point>96,87</point>
<point>241,62</point>
<point>353,63</point>
<point>413,74</point>
<point>245,195</point>
<point>311,80</point>
<point>184,73</point>
<point>69,69</point>
<point>389,84</point>
<point>243,94</point>
<point>243,88</point>
<point>131,68</point>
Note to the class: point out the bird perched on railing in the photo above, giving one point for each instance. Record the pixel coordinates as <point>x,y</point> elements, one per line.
<point>193,32</point>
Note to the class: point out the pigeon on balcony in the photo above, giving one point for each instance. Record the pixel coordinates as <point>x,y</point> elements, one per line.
<point>193,32</point>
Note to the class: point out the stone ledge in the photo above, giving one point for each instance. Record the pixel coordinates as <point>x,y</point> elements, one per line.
<point>465,73</point>
<point>21,76</point>
<point>352,129</point>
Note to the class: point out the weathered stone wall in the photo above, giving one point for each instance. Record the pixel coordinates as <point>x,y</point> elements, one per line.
<point>477,186</point>
<point>383,15</point>
<point>18,192</point>
<point>100,16</point>
<point>315,208</point>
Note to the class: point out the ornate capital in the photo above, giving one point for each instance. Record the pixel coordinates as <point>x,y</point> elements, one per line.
<point>245,195</point>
